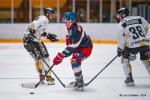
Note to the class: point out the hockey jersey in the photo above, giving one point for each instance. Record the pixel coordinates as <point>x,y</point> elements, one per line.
<point>132,32</point>
<point>76,39</point>
<point>39,25</point>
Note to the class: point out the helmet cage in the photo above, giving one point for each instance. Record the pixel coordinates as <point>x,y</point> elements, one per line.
<point>122,13</point>
<point>49,11</point>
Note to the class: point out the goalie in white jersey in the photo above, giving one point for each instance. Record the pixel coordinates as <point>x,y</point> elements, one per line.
<point>132,39</point>
<point>34,45</point>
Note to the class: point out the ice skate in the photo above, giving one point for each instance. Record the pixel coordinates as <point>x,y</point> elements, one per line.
<point>72,84</point>
<point>80,84</point>
<point>129,81</point>
<point>41,79</point>
<point>50,80</point>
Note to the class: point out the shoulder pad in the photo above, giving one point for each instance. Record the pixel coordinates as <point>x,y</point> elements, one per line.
<point>79,28</point>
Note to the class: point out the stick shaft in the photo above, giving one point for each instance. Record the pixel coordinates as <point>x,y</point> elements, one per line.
<point>86,84</point>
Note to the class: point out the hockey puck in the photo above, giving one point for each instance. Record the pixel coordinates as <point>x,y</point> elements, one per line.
<point>31,92</point>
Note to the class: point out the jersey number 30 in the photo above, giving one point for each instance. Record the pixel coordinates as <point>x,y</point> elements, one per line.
<point>137,32</point>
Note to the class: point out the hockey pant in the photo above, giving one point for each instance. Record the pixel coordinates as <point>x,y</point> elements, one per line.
<point>38,50</point>
<point>144,57</point>
<point>77,58</point>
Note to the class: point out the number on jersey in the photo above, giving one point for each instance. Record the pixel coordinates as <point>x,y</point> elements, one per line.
<point>137,32</point>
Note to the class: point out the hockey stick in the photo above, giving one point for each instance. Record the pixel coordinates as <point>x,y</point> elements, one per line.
<point>58,79</point>
<point>50,69</point>
<point>37,84</point>
<point>54,74</point>
<point>86,84</point>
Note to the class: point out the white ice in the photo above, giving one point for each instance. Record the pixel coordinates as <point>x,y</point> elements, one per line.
<point>17,67</point>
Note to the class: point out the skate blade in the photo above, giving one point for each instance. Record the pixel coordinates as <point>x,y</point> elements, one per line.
<point>50,83</point>
<point>28,85</point>
<point>80,89</point>
<point>130,84</point>
<point>70,86</point>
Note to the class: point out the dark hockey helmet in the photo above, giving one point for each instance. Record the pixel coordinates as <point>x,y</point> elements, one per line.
<point>122,13</point>
<point>69,16</point>
<point>49,11</point>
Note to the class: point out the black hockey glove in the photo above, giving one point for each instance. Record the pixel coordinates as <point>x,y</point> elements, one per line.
<point>119,51</point>
<point>52,37</point>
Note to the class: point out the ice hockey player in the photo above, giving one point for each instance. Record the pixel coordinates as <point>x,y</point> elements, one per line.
<point>132,39</point>
<point>33,43</point>
<point>79,45</point>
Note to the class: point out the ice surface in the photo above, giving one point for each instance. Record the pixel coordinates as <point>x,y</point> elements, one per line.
<point>17,67</point>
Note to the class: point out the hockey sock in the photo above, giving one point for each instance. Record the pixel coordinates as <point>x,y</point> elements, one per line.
<point>76,66</point>
<point>47,60</point>
<point>39,67</point>
<point>127,67</point>
<point>147,65</point>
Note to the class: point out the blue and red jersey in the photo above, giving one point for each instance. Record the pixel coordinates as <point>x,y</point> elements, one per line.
<point>76,40</point>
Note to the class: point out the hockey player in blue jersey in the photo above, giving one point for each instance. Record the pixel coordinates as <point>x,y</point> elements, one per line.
<point>79,45</point>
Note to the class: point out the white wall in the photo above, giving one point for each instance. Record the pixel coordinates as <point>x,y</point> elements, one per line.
<point>96,31</point>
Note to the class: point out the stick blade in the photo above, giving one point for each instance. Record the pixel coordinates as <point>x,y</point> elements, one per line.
<point>28,85</point>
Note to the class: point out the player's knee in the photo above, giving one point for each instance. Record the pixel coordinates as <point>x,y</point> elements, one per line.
<point>41,55</point>
<point>132,57</point>
<point>125,62</point>
<point>78,74</point>
<point>27,48</point>
<point>75,62</point>
<point>45,55</point>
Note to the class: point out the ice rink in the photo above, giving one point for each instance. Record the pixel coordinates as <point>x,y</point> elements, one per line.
<point>17,67</point>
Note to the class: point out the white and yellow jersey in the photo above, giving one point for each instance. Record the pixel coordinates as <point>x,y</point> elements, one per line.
<point>39,25</point>
<point>132,32</point>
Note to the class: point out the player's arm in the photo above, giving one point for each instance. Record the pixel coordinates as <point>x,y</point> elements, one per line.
<point>121,41</point>
<point>74,41</point>
<point>146,25</point>
<point>30,37</point>
<point>35,24</point>
<point>50,36</point>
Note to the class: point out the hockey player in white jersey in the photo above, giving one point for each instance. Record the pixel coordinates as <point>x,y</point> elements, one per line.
<point>33,43</point>
<point>132,39</point>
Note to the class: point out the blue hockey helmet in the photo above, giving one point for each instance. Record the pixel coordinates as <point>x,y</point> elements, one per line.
<point>69,16</point>
<point>49,11</point>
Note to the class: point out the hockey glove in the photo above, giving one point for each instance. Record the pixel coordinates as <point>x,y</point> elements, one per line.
<point>58,59</point>
<point>52,37</point>
<point>119,51</point>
